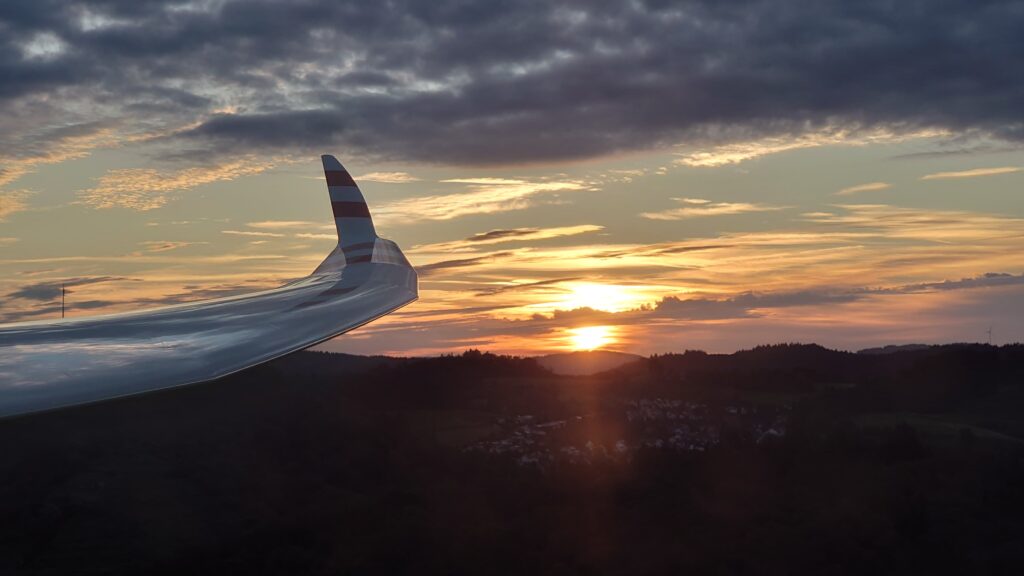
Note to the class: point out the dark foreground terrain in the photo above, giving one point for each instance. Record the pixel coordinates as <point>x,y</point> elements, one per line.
<point>778,460</point>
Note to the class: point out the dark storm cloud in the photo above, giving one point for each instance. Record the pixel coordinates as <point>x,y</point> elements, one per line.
<point>502,81</point>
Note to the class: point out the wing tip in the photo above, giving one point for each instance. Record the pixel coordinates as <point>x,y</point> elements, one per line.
<point>331,163</point>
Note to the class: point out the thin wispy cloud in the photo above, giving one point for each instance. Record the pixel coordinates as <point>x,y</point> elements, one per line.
<point>869,187</point>
<point>485,196</point>
<point>734,153</point>
<point>435,267</point>
<point>285,229</point>
<point>13,201</point>
<point>146,188</point>
<point>939,226</point>
<point>624,176</point>
<point>508,235</point>
<point>284,224</point>
<point>186,222</point>
<point>973,173</point>
<point>388,177</point>
<point>525,286</point>
<point>699,207</point>
<point>253,233</point>
<point>486,181</point>
<point>29,147</point>
<point>167,246</point>
<point>740,150</point>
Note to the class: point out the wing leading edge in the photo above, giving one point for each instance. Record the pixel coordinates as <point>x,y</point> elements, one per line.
<point>52,364</point>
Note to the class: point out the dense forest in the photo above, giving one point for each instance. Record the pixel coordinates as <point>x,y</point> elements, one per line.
<point>787,459</point>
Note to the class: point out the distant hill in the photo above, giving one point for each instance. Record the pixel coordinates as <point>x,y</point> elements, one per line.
<point>894,348</point>
<point>585,363</point>
<point>321,362</point>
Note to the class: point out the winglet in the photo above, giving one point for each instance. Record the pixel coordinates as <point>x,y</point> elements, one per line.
<point>351,215</point>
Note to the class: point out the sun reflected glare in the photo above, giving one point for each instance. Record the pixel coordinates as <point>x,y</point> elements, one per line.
<point>591,337</point>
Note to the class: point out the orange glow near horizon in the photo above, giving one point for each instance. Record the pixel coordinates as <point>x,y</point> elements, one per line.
<point>591,337</point>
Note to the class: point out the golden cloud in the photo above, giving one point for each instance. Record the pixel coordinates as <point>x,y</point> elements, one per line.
<point>738,152</point>
<point>699,207</point>
<point>278,224</point>
<point>485,196</point>
<point>12,201</point>
<point>388,177</point>
<point>66,143</point>
<point>869,187</point>
<point>974,173</point>
<point>146,189</point>
<point>253,233</point>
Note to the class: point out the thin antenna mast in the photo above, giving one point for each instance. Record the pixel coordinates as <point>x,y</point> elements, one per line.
<point>989,332</point>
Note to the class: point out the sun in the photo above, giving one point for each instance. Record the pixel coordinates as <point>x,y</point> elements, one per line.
<point>590,337</point>
<point>606,297</point>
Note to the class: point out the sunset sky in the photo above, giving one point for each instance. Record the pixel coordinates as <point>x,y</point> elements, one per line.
<point>642,176</point>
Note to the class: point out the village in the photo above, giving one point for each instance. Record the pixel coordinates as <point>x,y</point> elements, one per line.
<point>661,424</point>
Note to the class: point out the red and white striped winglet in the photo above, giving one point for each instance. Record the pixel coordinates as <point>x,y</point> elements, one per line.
<point>356,234</point>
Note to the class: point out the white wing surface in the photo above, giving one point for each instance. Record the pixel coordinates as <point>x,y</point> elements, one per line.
<point>51,364</point>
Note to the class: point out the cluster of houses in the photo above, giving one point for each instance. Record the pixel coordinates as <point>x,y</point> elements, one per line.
<point>615,435</point>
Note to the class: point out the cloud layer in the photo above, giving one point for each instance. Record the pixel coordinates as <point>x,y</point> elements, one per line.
<point>698,207</point>
<point>191,93</point>
<point>505,82</point>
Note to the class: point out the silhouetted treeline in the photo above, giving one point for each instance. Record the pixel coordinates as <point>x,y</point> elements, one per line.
<point>936,377</point>
<point>908,462</point>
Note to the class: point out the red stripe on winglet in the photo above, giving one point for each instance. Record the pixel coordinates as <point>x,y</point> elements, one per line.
<point>350,210</point>
<point>339,178</point>
<point>359,246</point>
